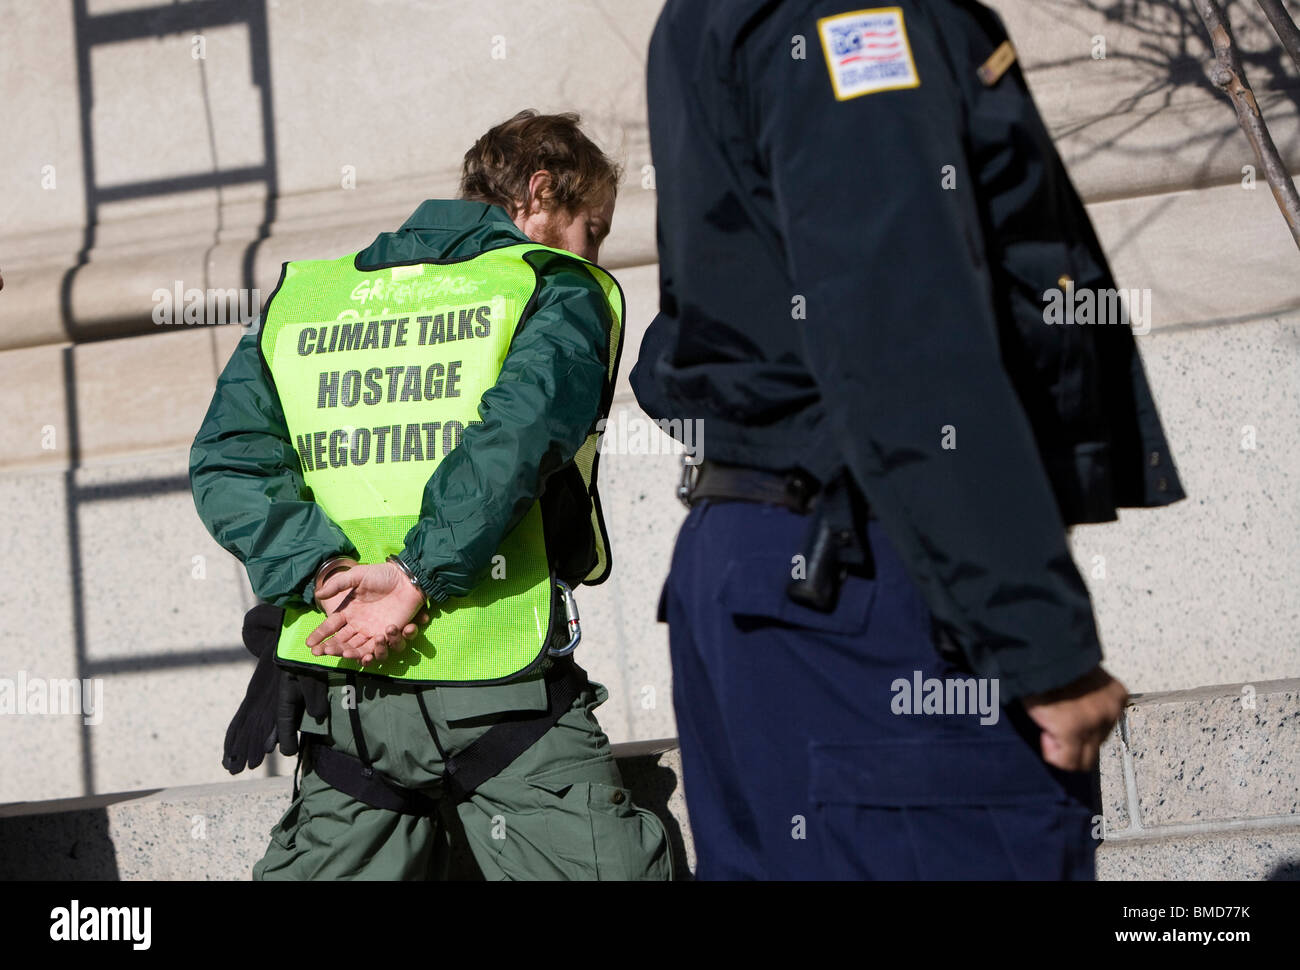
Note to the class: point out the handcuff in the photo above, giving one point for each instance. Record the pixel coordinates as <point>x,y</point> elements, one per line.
<point>326,569</point>
<point>406,571</point>
<point>572,620</point>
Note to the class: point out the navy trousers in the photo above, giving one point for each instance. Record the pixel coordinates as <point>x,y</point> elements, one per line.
<point>806,757</point>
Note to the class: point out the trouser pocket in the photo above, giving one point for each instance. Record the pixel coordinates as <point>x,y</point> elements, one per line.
<point>596,831</point>
<point>946,809</point>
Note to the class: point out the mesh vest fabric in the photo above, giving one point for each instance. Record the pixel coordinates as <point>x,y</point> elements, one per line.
<point>379,372</point>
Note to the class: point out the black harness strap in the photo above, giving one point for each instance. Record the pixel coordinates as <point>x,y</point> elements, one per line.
<point>494,750</point>
<point>355,779</point>
<point>354,715</point>
<point>502,743</point>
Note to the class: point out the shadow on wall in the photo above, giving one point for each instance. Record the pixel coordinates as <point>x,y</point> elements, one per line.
<point>1166,50</point>
<point>92,31</point>
<point>1288,871</point>
<point>73,846</point>
<point>1171,53</point>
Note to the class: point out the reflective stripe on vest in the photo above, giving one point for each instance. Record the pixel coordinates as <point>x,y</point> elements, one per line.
<point>379,373</point>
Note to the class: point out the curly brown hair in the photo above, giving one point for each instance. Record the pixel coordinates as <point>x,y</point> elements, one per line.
<point>498,167</point>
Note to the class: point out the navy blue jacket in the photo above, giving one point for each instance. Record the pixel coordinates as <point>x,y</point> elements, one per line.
<point>859,242</point>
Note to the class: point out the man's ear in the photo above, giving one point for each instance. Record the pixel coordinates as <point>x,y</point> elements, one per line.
<point>540,190</point>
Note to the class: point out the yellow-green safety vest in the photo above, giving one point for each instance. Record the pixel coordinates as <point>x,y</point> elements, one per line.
<point>379,372</point>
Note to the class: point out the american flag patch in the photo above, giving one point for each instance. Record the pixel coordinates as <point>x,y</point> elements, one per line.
<point>867,51</point>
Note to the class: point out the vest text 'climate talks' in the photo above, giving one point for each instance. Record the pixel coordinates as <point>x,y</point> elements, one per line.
<point>434,328</point>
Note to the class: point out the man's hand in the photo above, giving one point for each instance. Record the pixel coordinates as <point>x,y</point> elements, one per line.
<point>373,608</point>
<point>331,604</point>
<point>1077,718</point>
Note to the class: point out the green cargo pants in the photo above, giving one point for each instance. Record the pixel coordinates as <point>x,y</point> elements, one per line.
<point>560,811</point>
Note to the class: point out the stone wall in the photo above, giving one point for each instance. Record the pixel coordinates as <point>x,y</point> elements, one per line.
<point>306,128</point>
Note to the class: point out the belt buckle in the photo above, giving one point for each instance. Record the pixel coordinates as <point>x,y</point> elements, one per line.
<point>690,477</point>
<point>799,490</point>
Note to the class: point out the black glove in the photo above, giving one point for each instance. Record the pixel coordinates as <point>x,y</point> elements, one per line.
<point>298,692</point>
<point>275,699</point>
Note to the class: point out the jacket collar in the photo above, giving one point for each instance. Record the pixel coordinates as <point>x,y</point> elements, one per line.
<point>443,229</point>
<point>459,214</point>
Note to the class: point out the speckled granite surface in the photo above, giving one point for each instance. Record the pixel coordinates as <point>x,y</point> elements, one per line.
<point>1205,784</point>
<point>1264,854</point>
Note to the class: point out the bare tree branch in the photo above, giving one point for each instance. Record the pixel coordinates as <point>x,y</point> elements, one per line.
<point>1227,73</point>
<point>1286,29</point>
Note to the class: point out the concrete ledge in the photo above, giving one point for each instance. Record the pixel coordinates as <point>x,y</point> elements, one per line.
<point>1270,853</point>
<point>1205,757</point>
<point>217,832</point>
<point>1196,784</point>
<point>1204,784</point>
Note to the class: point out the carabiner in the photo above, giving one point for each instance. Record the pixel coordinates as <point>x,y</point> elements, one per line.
<point>571,616</point>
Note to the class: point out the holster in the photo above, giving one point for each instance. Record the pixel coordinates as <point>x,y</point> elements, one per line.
<point>836,544</point>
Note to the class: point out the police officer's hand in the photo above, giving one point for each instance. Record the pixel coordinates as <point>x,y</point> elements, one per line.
<point>1077,718</point>
<point>376,605</point>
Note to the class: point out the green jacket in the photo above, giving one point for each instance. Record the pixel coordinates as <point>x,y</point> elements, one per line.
<point>247,480</point>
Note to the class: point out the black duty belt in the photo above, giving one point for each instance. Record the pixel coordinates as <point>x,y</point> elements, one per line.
<point>837,534</point>
<point>711,479</point>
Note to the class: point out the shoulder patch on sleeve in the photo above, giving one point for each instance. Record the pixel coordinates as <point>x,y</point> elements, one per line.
<point>991,71</point>
<point>867,51</point>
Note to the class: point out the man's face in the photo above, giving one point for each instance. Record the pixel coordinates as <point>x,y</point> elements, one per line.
<point>580,232</point>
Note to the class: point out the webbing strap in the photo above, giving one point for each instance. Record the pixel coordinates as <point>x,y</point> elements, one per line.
<point>354,715</point>
<point>502,743</point>
<point>494,750</point>
<point>355,779</point>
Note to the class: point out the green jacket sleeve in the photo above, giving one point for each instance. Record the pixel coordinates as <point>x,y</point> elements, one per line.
<point>543,405</point>
<point>248,486</point>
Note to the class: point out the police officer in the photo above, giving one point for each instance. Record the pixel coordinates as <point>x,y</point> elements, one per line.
<point>885,663</point>
<point>407,437</point>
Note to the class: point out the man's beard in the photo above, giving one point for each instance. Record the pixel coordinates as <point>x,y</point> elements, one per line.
<point>550,235</point>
